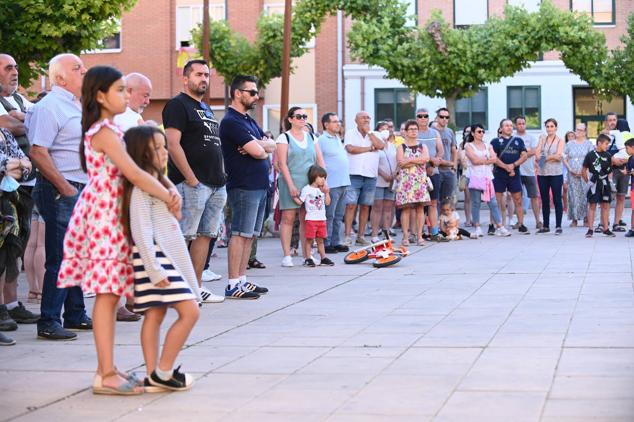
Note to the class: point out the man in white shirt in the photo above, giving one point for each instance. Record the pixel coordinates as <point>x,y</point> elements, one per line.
<point>140,89</point>
<point>361,145</point>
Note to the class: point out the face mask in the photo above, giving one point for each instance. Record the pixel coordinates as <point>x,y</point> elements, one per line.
<point>9,184</point>
<point>384,134</point>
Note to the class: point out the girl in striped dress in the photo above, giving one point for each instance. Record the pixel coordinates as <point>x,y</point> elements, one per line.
<point>163,273</point>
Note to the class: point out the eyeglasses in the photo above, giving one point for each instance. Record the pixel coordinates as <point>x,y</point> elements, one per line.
<point>423,116</point>
<point>252,92</point>
<point>300,116</point>
<point>479,131</point>
<point>443,116</point>
<point>412,128</point>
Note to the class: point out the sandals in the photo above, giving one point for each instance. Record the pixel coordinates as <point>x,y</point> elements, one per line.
<point>254,263</point>
<point>34,297</point>
<point>420,242</point>
<point>405,242</point>
<point>132,386</point>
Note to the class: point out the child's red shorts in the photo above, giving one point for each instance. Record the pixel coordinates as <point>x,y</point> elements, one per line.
<point>315,229</point>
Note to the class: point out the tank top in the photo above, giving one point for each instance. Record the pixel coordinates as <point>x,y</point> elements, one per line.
<point>480,170</point>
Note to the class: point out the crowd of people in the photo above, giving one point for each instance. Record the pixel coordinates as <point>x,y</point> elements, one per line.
<point>97,202</point>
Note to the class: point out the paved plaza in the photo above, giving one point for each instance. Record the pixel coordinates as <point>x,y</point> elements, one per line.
<point>520,329</point>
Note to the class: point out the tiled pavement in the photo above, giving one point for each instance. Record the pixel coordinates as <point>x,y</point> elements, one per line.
<point>527,328</point>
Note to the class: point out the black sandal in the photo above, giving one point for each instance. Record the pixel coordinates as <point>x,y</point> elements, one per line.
<point>254,263</point>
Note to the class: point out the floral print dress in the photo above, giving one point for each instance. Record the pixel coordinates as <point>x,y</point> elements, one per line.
<point>97,255</point>
<point>411,182</point>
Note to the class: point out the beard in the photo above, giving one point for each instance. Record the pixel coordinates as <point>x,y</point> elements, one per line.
<point>199,89</point>
<point>249,103</point>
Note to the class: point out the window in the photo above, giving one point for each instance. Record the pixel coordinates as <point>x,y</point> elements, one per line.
<point>591,110</point>
<point>602,11</point>
<point>278,9</point>
<point>529,5</point>
<point>111,44</point>
<point>472,110</point>
<point>470,12</point>
<point>524,100</point>
<point>412,10</point>
<point>189,17</point>
<point>397,104</point>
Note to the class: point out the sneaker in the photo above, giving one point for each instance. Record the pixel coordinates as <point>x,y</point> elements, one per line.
<point>558,231</point>
<point>238,292</point>
<point>375,239</point>
<point>630,233</point>
<point>287,261</point>
<point>608,233</point>
<point>342,248</point>
<point>362,241</point>
<point>539,225</point>
<point>391,233</point>
<point>209,297</point>
<point>6,341</point>
<point>589,233</point>
<point>209,275</point>
<point>621,223</point>
<point>478,232</point>
<point>617,228</point>
<point>517,225</point>
<point>21,315</point>
<point>348,241</point>
<point>326,261</point>
<point>599,229</point>
<point>522,229</point>
<point>308,262</point>
<point>6,322</point>
<point>491,230</point>
<point>124,315</point>
<point>149,388</point>
<point>331,249</point>
<point>543,230</point>
<point>178,382</point>
<point>502,232</point>
<point>252,287</point>
<point>473,236</point>
<point>84,325</point>
<point>56,332</point>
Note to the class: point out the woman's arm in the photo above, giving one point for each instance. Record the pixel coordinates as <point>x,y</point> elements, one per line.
<point>557,156</point>
<point>282,162</point>
<point>475,160</point>
<point>319,156</point>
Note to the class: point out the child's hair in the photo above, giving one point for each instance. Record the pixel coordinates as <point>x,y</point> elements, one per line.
<point>447,202</point>
<point>314,172</point>
<point>139,142</point>
<point>98,78</point>
<point>603,138</point>
<point>630,143</point>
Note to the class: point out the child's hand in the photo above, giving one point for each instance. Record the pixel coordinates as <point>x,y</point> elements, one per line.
<point>325,189</point>
<point>163,283</point>
<point>175,203</point>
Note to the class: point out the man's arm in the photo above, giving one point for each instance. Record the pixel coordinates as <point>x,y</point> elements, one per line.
<point>44,163</point>
<point>13,125</point>
<point>255,150</point>
<point>177,154</point>
<point>377,142</point>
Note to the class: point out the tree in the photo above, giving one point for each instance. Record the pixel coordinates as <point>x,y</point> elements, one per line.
<point>34,31</point>
<point>233,54</point>
<point>440,61</point>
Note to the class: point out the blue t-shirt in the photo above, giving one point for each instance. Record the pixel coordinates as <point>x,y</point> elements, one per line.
<point>243,171</point>
<point>512,153</point>
<point>336,160</point>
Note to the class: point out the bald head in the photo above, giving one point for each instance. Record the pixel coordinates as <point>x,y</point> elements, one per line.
<point>140,88</point>
<point>8,75</point>
<point>67,71</point>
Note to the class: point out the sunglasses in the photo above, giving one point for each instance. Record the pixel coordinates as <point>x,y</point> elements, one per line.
<point>423,116</point>
<point>252,92</point>
<point>300,116</point>
<point>479,131</point>
<point>443,117</point>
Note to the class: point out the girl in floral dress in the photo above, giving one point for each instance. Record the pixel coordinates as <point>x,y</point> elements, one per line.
<point>412,193</point>
<point>97,255</point>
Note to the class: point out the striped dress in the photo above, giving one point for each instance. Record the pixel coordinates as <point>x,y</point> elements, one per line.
<point>159,253</point>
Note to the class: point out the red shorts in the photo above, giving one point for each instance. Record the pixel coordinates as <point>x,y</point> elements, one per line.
<point>315,229</point>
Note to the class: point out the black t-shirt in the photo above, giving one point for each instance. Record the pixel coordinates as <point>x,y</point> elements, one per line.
<point>243,171</point>
<point>511,154</point>
<point>200,140</point>
<point>598,164</point>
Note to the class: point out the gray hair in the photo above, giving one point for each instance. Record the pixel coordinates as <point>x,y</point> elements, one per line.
<point>419,109</point>
<point>56,68</point>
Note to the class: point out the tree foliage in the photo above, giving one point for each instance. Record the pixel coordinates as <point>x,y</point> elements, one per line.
<point>33,31</point>
<point>232,54</point>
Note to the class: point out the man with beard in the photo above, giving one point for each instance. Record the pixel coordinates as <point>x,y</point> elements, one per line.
<point>195,165</point>
<point>246,151</point>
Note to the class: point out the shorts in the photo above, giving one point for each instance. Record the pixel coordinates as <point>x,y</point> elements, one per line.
<point>622,181</point>
<point>530,183</point>
<point>361,190</point>
<point>504,182</point>
<point>384,194</point>
<point>247,211</point>
<point>315,229</point>
<point>202,210</point>
<point>434,194</point>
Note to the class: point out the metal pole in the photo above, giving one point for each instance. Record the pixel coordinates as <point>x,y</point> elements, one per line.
<point>206,55</point>
<point>225,82</point>
<point>286,61</point>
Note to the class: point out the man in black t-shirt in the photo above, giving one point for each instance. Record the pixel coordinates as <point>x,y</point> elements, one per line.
<point>196,165</point>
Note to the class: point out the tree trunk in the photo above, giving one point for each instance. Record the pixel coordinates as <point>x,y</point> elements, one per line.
<point>451,106</point>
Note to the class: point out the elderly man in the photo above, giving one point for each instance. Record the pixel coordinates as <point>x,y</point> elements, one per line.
<point>53,126</point>
<point>140,89</point>
<point>361,145</point>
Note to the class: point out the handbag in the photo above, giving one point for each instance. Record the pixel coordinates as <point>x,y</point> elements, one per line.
<point>462,183</point>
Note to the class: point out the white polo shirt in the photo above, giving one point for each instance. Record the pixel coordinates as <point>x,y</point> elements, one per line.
<point>129,118</point>
<point>364,164</point>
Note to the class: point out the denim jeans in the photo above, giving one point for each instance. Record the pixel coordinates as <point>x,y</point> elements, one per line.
<point>447,184</point>
<point>546,185</point>
<point>202,209</point>
<point>334,215</point>
<point>247,211</point>
<point>476,200</point>
<point>56,211</point>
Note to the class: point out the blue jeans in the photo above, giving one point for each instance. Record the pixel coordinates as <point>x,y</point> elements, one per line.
<point>476,200</point>
<point>447,184</point>
<point>56,211</point>
<point>334,215</point>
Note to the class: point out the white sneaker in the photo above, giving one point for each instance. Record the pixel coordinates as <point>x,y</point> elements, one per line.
<point>209,297</point>
<point>362,241</point>
<point>348,241</point>
<point>287,261</point>
<point>375,239</point>
<point>209,275</point>
<point>478,232</point>
<point>502,232</point>
<point>474,236</point>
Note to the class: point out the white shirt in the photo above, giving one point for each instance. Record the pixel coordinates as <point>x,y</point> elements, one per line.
<point>527,168</point>
<point>129,118</point>
<point>14,103</point>
<point>315,203</point>
<point>365,164</point>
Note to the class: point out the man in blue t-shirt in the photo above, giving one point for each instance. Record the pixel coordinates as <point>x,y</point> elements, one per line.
<point>246,150</point>
<point>511,153</point>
